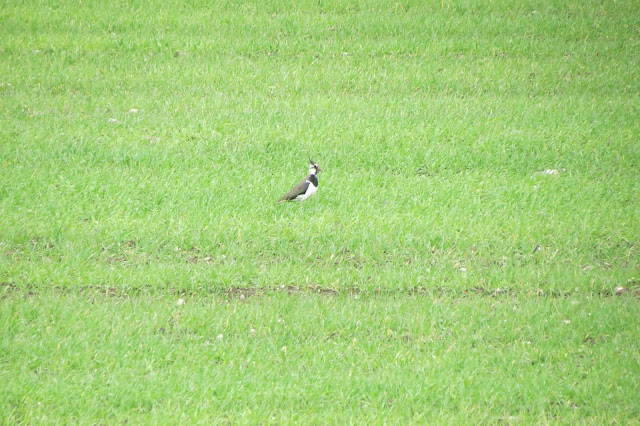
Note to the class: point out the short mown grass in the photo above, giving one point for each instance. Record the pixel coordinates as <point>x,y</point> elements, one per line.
<point>478,156</point>
<point>309,357</point>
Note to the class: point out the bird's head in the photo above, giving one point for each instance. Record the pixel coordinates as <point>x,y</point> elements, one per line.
<point>313,167</point>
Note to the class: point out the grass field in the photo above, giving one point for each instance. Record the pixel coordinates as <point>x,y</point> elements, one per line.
<point>472,253</point>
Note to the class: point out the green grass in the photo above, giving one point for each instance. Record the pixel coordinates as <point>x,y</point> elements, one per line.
<point>143,146</point>
<point>319,358</point>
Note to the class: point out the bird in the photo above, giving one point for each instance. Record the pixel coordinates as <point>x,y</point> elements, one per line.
<point>306,187</point>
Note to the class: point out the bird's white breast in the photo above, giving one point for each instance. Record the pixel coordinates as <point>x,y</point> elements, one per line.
<point>310,191</point>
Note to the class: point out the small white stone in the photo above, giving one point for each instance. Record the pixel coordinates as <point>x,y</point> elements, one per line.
<point>113,120</point>
<point>133,111</point>
<point>567,322</point>
<point>220,336</point>
<point>463,269</point>
<point>180,302</point>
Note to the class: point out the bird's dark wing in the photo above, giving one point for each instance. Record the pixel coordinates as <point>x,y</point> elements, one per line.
<point>299,189</point>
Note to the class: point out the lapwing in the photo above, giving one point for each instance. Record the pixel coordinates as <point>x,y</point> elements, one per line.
<point>306,187</point>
